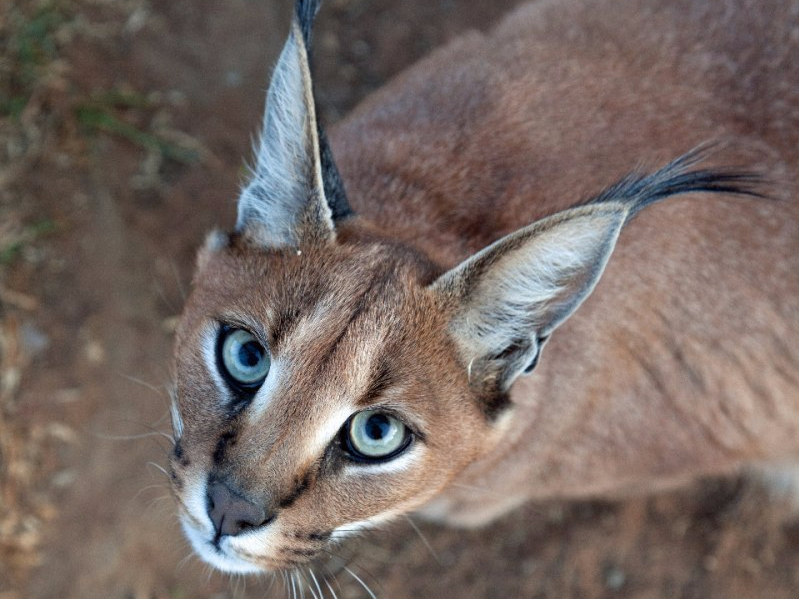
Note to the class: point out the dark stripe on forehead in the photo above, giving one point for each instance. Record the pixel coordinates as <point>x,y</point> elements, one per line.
<point>382,378</point>
<point>293,307</point>
<point>312,292</point>
<point>367,298</point>
<point>286,321</point>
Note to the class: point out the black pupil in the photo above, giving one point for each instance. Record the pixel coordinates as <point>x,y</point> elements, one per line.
<point>377,426</point>
<point>250,354</point>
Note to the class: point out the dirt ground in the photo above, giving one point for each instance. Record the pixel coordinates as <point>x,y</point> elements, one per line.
<point>124,125</point>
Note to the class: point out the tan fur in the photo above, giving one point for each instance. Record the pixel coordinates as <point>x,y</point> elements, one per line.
<point>682,362</point>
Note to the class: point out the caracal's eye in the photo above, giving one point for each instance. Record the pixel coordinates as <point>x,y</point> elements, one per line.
<point>373,435</point>
<point>244,360</point>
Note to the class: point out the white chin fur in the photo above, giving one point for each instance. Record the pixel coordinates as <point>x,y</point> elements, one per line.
<point>219,559</point>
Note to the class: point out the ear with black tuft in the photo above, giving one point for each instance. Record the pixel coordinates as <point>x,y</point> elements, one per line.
<point>295,194</point>
<point>512,295</point>
<point>509,298</point>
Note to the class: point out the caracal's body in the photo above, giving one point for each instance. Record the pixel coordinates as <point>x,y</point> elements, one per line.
<point>682,360</point>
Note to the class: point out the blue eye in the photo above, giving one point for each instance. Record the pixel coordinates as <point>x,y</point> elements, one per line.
<point>245,360</point>
<point>373,435</point>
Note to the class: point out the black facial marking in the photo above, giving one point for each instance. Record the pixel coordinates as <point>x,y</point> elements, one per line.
<point>226,439</point>
<point>321,536</point>
<point>177,482</point>
<point>180,455</point>
<point>302,485</point>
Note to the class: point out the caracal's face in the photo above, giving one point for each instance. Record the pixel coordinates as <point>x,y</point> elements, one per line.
<point>317,393</point>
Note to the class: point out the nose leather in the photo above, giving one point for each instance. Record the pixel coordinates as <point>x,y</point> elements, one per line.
<point>231,513</point>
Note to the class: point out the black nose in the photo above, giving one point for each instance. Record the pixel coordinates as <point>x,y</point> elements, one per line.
<point>231,513</point>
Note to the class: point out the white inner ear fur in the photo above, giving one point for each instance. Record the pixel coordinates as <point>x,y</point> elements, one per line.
<point>532,288</point>
<point>288,170</point>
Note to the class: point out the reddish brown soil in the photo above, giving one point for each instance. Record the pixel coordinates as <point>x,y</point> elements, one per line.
<point>104,225</point>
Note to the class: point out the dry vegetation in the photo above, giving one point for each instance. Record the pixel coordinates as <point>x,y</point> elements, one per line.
<point>48,118</point>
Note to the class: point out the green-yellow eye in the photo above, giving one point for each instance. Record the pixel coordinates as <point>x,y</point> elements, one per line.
<point>373,435</point>
<point>245,360</point>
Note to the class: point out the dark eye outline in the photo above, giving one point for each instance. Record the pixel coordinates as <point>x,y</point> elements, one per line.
<point>345,442</point>
<point>245,391</point>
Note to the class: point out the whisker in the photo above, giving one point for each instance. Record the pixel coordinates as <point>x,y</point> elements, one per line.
<point>361,582</point>
<point>306,583</point>
<point>178,282</point>
<point>285,582</point>
<point>293,586</point>
<point>332,591</point>
<point>154,433</point>
<point>333,574</point>
<point>423,538</point>
<point>316,582</point>
<point>301,583</point>
<point>162,294</point>
<point>161,469</point>
<point>147,488</point>
<point>272,579</point>
<point>160,392</point>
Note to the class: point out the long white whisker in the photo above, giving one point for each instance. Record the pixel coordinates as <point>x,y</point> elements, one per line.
<point>316,582</point>
<point>161,468</point>
<point>162,294</point>
<point>301,584</point>
<point>157,390</point>
<point>306,584</point>
<point>107,437</point>
<point>361,582</point>
<point>181,289</point>
<point>424,539</point>
<point>333,592</point>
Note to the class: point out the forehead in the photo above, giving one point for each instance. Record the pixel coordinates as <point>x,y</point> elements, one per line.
<point>287,288</point>
<point>334,306</point>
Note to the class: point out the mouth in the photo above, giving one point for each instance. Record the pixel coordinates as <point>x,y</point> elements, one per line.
<point>218,553</point>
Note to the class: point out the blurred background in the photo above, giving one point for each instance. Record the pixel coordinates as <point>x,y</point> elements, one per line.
<point>124,128</point>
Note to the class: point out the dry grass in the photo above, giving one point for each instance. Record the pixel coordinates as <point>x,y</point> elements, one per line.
<point>34,82</point>
<point>46,114</point>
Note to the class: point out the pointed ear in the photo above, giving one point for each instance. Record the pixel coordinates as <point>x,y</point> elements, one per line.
<point>285,204</point>
<point>509,297</point>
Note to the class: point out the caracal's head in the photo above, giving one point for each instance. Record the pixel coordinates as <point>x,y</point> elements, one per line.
<point>328,378</point>
<point>316,394</point>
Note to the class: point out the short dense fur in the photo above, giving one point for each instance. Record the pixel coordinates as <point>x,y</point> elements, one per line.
<point>474,247</point>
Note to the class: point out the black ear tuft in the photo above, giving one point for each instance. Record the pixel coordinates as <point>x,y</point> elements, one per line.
<point>331,179</point>
<point>306,12</point>
<point>637,190</point>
